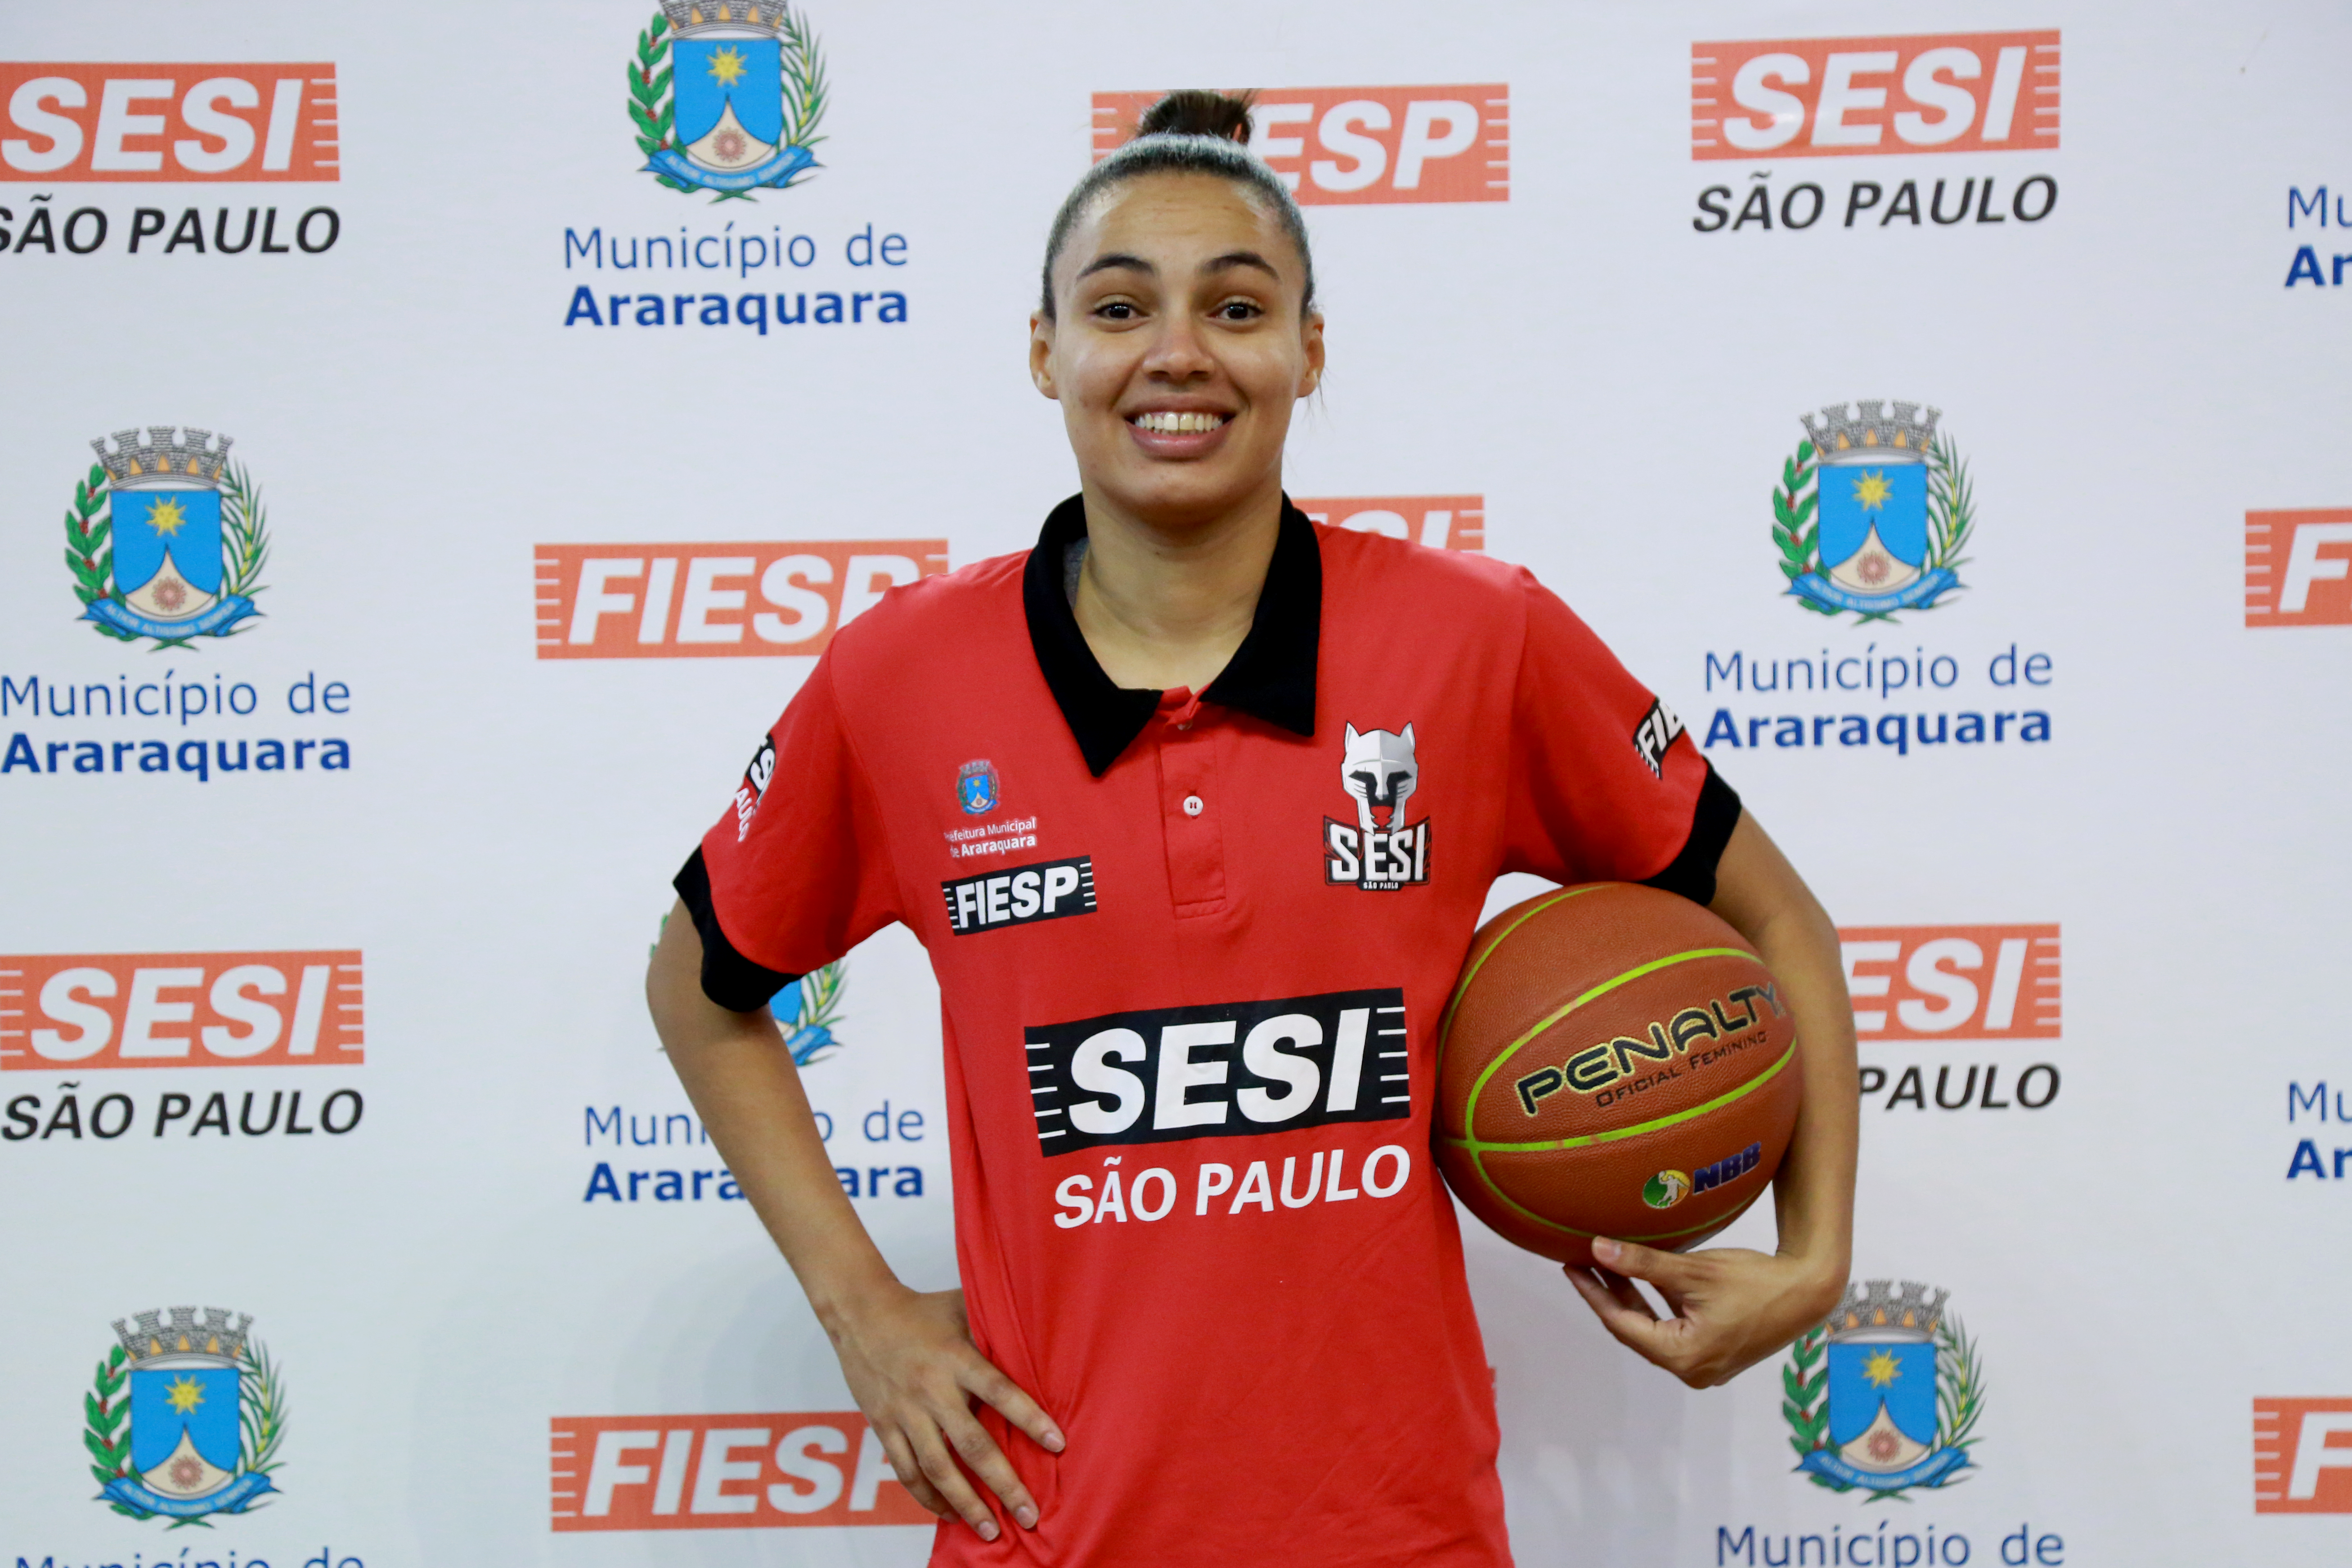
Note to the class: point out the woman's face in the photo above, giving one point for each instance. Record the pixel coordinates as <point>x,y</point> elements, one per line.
<point>1178,346</point>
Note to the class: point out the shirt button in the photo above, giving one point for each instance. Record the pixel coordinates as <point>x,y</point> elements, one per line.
<point>1192,806</point>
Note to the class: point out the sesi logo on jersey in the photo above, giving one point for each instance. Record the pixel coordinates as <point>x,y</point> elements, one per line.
<point>1363,144</point>
<point>183,1009</point>
<point>2299,568</point>
<point>72,123</point>
<point>1814,98</point>
<point>1223,1070</point>
<point>1053,890</point>
<point>1439,522</point>
<point>1382,853</point>
<point>718,601</point>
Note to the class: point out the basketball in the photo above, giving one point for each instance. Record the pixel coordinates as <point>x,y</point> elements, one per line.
<point>1616,1061</point>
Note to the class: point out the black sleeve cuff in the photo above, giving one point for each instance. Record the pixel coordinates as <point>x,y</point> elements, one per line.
<point>729,978</point>
<point>1692,873</point>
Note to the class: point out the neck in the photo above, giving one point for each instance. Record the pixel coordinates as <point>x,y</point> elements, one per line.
<point>1165,606</point>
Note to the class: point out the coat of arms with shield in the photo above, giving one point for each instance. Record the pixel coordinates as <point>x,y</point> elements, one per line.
<point>1904,1389</point>
<point>166,538</point>
<point>734,107</point>
<point>1873,512</point>
<point>197,1428</point>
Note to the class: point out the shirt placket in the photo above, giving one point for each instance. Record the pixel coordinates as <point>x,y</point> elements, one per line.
<point>1190,807</point>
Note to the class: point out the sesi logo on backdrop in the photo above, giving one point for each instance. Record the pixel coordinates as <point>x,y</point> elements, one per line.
<point>2299,568</point>
<point>183,123</point>
<point>2302,1455</point>
<point>1926,984</point>
<point>1815,98</point>
<point>94,1013</point>
<point>1363,145</point>
<point>183,1010</point>
<point>716,600</point>
<point>1440,522</point>
<point>722,1472</point>
<point>180,124</point>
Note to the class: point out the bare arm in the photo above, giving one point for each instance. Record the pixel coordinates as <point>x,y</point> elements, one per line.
<point>1732,1307</point>
<point>908,1356</point>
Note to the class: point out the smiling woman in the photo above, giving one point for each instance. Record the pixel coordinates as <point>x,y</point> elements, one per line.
<point>1214,1309</point>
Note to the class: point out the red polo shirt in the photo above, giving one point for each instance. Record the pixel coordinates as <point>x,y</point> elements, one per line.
<point>1191,955</point>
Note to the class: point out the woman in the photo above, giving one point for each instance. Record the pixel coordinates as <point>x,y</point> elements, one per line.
<point>1195,806</point>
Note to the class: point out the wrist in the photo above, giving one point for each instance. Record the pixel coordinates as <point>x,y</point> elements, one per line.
<point>844,1296</point>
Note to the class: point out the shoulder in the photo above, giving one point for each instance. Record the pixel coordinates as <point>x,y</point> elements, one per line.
<point>1398,573</point>
<point>932,616</point>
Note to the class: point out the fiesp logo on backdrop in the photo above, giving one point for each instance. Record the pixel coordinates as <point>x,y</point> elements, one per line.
<point>1817,97</point>
<point>716,600</point>
<point>92,1012</point>
<point>1440,522</point>
<point>722,1472</point>
<point>182,124</point>
<point>2299,568</point>
<point>2302,1455</point>
<point>1365,145</point>
<point>1925,984</point>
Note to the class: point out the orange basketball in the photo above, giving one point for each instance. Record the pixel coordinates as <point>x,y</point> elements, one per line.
<point>1616,1061</point>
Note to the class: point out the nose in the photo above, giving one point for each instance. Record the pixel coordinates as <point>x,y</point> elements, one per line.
<point>1178,352</point>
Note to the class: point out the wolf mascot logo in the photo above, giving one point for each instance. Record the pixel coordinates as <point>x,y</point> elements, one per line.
<point>1381,853</point>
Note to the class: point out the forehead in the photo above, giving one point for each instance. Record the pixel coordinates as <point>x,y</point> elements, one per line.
<point>1179,218</point>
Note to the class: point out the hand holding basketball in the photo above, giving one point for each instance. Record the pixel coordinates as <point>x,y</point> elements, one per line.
<point>1731,1307</point>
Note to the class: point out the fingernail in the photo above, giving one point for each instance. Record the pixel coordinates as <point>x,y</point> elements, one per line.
<point>1054,1441</point>
<point>987,1528</point>
<point>1027,1516</point>
<point>1605,1249</point>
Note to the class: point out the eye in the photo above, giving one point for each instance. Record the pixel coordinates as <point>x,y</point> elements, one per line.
<point>1116,311</point>
<point>1238,310</point>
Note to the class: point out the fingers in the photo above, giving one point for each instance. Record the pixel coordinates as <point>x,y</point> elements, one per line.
<point>908,1470</point>
<point>938,1462</point>
<point>1667,1271</point>
<point>1013,1402</point>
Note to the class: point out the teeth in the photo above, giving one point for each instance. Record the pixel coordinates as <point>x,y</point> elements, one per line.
<point>1179,423</point>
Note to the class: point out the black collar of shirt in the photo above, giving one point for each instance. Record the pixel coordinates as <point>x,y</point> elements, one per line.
<point>1271,676</point>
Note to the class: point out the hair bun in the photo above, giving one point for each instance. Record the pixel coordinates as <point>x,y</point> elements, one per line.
<point>1198,111</point>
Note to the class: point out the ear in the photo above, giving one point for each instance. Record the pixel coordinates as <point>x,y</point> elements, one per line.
<point>1041,354</point>
<point>1352,735</point>
<point>1408,735</point>
<point>1311,340</point>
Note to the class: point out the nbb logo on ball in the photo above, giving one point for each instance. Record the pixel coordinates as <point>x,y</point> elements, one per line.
<point>2299,568</point>
<point>722,1472</point>
<point>1817,97</point>
<point>1363,144</point>
<point>1440,522</point>
<point>716,600</point>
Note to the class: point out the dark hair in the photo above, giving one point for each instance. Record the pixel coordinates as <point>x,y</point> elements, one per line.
<point>1190,131</point>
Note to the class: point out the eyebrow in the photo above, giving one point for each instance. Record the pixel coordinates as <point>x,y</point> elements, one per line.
<point>1231,258</point>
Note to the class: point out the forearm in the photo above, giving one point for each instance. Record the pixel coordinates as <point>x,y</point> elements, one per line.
<point>1762,896</point>
<point>748,1092</point>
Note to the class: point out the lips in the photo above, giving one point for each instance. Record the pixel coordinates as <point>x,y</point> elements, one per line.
<point>1174,422</point>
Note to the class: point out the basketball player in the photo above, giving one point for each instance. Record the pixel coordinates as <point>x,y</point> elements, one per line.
<point>1195,806</point>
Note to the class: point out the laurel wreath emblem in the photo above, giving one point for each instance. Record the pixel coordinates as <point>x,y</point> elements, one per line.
<point>261,1424</point>
<point>89,546</point>
<point>1960,1400</point>
<point>809,1034</point>
<point>1951,517</point>
<point>652,104</point>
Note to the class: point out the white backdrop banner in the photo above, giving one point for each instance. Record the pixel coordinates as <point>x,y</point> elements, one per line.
<point>444,435</point>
